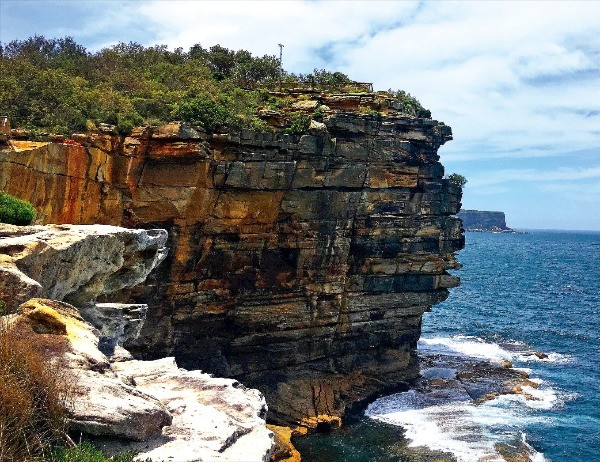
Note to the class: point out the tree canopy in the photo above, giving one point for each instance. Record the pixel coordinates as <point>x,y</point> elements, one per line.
<point>56,85</point>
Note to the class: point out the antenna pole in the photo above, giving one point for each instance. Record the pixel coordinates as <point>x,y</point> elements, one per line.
<point>280,64</point>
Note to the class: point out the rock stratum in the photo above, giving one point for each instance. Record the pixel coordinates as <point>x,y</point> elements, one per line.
<point>484,221</point>
<point>299,265</point>
<point>153,408</point>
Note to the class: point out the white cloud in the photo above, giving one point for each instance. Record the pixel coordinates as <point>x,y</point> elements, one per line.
<point>514,80</point>
<point>562,174</point>
<point>260,25</point>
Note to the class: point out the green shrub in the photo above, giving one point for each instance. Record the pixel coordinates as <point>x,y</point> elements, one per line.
<point>299,123</point>
<point>276,103</point>
<point>457,179</point>
<point>126,122</point>
<point>318,114</point>
<point>204,111</point>
<point>15,211</point>
<point>410,104</point>
<point>254,123</point>
<point>86,452</point>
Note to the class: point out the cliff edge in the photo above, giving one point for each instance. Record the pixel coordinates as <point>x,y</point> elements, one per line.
<point>299,264</point>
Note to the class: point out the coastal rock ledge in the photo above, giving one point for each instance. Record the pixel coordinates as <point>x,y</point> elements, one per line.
<point>154,408</point>
<point>300,265</point>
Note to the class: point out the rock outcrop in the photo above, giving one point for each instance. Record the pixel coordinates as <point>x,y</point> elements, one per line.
<point>300,265</point>
<point>77,264</point>
<point>484,221</point>
<point>213,419</point>
<point>166,413</point>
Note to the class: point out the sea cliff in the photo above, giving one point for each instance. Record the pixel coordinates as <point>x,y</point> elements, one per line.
<point>299,264</point>
<point>484,221</point>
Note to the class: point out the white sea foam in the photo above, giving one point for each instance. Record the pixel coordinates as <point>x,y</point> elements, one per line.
<point>450,421</point>
<point>468,431</point>
<point>476,347</point>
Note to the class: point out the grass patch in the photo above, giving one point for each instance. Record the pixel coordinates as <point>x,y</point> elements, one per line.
<point>33,395</point>
<point>87,452</point>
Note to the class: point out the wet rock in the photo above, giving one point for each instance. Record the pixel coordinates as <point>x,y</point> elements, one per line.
<point>284,450</point>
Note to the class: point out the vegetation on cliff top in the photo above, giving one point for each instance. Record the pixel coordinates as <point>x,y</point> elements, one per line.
<point>56,85</point>
<point>458,179</point>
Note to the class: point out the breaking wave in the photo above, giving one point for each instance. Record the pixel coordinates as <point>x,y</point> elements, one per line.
<point>453,423</point>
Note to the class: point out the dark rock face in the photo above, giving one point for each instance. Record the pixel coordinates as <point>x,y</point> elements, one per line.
<point>477,220</point>
<point>299,265</point>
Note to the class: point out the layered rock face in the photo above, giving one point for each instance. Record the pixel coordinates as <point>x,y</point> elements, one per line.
<point>299,264</point>
<point>478,220</point>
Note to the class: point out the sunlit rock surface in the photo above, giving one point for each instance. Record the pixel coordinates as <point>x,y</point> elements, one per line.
<point>153,407</point>
<point>300,265</point>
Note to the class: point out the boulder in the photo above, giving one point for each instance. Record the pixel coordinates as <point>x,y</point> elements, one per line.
<point>213,419</point>
<point>99,403</point>
<point>116,322</point>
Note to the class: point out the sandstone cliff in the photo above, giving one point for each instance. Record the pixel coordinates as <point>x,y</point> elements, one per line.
<point>478,220</point>
<point>300,265</point>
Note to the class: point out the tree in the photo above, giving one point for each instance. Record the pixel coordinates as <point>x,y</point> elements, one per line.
<point>204,111</point>
<point>457,179</point>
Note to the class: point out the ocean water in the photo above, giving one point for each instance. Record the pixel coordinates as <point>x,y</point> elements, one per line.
<point>520,294</point>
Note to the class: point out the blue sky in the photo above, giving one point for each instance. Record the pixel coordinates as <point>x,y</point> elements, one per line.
<point>517,81</point>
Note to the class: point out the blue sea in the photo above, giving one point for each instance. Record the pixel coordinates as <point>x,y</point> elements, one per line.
<point>520,294</point>
<point>538,291</point>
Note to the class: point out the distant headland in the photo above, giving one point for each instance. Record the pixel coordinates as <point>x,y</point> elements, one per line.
<point>484,221</point>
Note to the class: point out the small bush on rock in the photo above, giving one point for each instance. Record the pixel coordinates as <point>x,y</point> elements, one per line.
<point>15,211</point>
<point>204,111</point>
<point>457,179</point>
<point>299,123</point>
<point>126,122</point>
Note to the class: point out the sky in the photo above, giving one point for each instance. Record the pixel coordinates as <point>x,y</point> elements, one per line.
<point>518,82</point>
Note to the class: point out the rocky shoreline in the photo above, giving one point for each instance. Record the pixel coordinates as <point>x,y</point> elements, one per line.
<point>153,408</point>
<point>373,432</point>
